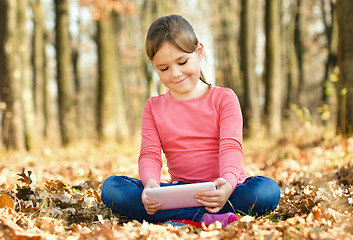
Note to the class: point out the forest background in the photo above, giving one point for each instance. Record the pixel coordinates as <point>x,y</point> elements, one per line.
<point>76,70</point>
<point>74,78</point>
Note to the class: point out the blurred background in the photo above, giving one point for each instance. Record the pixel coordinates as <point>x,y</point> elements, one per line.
<point>76,70</point>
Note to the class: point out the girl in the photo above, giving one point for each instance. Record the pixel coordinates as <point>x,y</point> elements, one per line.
<point>199,129</point>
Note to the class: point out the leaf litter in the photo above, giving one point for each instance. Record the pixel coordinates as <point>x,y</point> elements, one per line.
<point>55,194</point>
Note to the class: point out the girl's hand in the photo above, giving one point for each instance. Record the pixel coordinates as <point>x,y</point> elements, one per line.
<point>151,206</point>
<point>215,200</point>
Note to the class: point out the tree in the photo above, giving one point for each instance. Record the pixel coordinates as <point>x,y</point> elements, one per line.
<point>298,44</point>
<point>273,104</point>
<point>345,64</point>
<point>40,79</point>
<point>227,74</point>
<point>24,51</point>
<point>293,55</point>
<point>330,23</point>
<point>12,114</point>
<point>111,112</point>
<point>65,78</point>
<point>18,128</point>
<point>247,51</point>
<point>148,15</point>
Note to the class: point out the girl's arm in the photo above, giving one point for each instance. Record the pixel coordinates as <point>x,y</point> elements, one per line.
<point>230,139</point>
<point>150,161</point>
<point>230,153</point>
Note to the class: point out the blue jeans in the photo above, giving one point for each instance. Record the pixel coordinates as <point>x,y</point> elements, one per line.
<point>256,196</point>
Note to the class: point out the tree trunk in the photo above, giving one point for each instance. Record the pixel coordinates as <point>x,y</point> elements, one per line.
<point>345,64</point>
<point>4,75</point>
<point>64,72</point>
<point>111,113</point>
<point>331,31</point>
<point>12,119</point>
<point>148,15</point>
<point>273,104</point>
<point>293,68</point>
<point>31,134</point>
<point>299,49</point>
<point>39,68</point>
<point>247,49</point>
<point>226,45</point>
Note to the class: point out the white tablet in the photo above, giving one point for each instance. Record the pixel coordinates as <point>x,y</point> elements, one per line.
<point>179,196</point>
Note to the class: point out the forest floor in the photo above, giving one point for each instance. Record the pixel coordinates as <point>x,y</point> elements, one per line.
<point>55,193</point>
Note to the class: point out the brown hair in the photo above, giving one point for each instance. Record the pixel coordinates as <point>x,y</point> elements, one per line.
<point>177,31</point>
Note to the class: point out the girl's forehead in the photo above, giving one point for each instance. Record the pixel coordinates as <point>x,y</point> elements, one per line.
<point>168,52</point>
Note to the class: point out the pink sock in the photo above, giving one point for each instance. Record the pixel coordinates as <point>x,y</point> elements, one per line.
<point>225,218</point>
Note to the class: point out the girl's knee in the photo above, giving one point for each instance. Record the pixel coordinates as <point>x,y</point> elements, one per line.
<point>120,191</point>
<point>264,191</point>
<point>110,189</point>
<point>108,183</point>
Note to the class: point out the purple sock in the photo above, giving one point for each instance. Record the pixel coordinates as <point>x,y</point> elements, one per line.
<point>225,218</point>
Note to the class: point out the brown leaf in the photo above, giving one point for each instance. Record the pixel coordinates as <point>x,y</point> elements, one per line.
<point>5,201</point>
<point>55,186</point>
<point>25,178</point>
<point>99,200</point>
<point>317,212</point>
<point>24,192</point>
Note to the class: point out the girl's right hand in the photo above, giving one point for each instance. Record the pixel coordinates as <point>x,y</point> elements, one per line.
<point>151,206</point>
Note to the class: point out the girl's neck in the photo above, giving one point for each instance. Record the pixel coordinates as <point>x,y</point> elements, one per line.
<point>199,90</point>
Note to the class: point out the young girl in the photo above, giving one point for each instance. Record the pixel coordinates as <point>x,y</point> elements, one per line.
<point>199,129</point>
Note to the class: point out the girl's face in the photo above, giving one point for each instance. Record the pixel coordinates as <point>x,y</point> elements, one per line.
<point>180,71</point>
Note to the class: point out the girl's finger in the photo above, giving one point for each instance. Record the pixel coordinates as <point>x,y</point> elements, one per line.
<point>209,204</point>
<point>213,210</point>
<point>210,199</point>
<point>207,193</point>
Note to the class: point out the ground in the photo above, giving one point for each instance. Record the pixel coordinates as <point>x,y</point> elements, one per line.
<point>55,193</point>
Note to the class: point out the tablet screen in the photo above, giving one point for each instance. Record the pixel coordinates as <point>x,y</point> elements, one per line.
<point>179,196</point>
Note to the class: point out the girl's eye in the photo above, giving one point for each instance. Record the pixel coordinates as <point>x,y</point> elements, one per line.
<point>182,63</point>
<point>164,69</point>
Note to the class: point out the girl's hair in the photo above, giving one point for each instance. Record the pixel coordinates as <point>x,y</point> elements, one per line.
<point>174,29</point>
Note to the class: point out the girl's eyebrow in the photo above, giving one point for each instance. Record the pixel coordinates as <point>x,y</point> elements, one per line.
<point>163,64</point>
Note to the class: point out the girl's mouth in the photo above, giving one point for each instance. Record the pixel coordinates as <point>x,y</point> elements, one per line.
<point>182,80</point>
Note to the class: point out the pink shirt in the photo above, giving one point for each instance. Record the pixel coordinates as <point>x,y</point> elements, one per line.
<point>200,137</point>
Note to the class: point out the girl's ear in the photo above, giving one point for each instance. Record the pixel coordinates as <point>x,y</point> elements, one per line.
<point>200,50</point>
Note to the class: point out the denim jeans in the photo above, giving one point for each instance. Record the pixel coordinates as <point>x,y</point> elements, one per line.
<point>256,196</point>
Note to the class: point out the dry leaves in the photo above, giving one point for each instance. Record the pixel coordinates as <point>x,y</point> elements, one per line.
<point>56,194</point>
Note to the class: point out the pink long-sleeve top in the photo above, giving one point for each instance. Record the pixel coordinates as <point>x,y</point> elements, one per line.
<point>200,137</point>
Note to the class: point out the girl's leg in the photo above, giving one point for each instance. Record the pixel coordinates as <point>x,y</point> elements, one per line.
<point>123,195</point>
<point>256,196</point>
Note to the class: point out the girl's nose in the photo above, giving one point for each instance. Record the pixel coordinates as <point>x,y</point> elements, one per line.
<point>176,72</point>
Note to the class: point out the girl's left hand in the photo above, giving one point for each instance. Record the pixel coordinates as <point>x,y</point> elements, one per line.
<point>215,200</point>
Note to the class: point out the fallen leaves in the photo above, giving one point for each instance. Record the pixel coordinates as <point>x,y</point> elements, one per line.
<point>6,202</point>
<point>25,178</point>
<point>41,199</point>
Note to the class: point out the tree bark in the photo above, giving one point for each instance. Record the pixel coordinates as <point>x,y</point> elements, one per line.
<point>299,49</point>
<point>31,134</point>
<point>247,50</point>
<point>4,75</point>
<point>111,113</point>
<point>331,32</point>
<point>39,68</point>
<point>226,47</point>
<point>13,131</point>
<point>65,78</point>
<point>293,65</point>
<point>273,104</point>
<point>345,64</point>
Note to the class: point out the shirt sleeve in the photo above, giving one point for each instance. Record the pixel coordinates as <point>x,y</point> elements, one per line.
<point>230,141</point>
<point>150,161</point>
